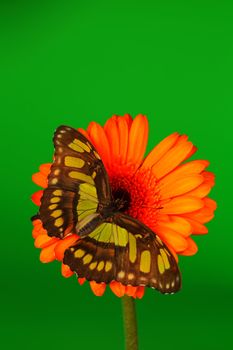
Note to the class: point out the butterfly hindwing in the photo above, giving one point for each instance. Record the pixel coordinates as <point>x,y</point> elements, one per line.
<point>77,183</point>
<point>126,251</point>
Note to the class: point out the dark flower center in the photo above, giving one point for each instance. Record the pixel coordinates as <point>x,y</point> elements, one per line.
<point>121,199</point>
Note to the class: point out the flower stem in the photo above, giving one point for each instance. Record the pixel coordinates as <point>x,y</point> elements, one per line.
<point>130,323</point>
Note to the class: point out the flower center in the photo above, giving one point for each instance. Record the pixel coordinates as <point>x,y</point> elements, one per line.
<point>136,195</point>
<point>121,199</point>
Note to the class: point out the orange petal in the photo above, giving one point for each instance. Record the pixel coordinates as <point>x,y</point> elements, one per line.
<point>172,159</point>
<point>66,271</point>
<point>201,191</point>
<point>181,205</point>
<point>191,168</point>
<point>197,227</point>
<point>179,225</point>
<point>172,238</point>
<point>206,213</point>
<point>191,249</point>
<point>38,230</point>
<point>47,254</point>
<point>100,141</point>
<point>180,186</point>
<point>36,197</point>
<point>37,223</point>
<point>111,130</point>
<point>130,291</point>
<point>138,137</point>
<point>128,119</point>
<point>210,203</point>
<point>63,245</point>
<point>117,288</point>
<point>98,288</point>
<point>45,168</point>
<point>191,153</point>
<point>140,292</point>
<point>81,280</point>
<point>203,215</point>
<point>43,241</point>
<point>209,178</point>
<point>40,179</point>
<point>123,130</point>
<point>35,233</point>
<point>160,150</point>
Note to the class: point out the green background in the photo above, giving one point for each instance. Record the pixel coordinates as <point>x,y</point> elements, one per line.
<point>74,62</point>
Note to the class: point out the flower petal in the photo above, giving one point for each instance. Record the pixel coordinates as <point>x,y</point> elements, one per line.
<point>179,225</point>
<point>98,288</point>
<point>180,205</point>
<point>45,169</point>
<point>111,130</point>
<point>171,238</point>
<point>191,168</point>
<point>209,178</point>
<point>123,130</point>
<point>38,229</point>
<point>172,159</point>
<point>66,271</point>
<point>181,186</point>
<point>36,197</point>
<point>100,141</point>
<point>63,245</point>
<point>47,254</point>
<point>191,248</point>
<point>130,291</point>
<point>210,203</point>
<point>204,214</point>
<point>128,119</point>
<point>201,191</point>
<point>197,227</point>
<point>40,179</point>
<point>43,241</point>
<point>81,280</point>
<point>140,292</point>
<point>138,137</point>
<point>117,288</point>
<point>160,150</point>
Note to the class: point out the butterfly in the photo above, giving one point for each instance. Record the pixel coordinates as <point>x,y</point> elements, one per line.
<point>111,245</point>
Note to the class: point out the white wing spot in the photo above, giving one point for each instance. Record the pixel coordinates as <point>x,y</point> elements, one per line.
<point>121,274</point>
<point>130,276</point>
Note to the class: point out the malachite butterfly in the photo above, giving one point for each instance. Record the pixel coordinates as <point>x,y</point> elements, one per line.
<point>112,245</point>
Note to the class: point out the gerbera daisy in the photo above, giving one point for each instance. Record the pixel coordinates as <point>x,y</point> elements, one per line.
<point>162,190</point>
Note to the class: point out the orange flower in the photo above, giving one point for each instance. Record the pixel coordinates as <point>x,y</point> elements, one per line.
<point>167,194</point>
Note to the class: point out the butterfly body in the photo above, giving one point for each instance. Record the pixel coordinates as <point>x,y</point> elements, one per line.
<point>112,245</point>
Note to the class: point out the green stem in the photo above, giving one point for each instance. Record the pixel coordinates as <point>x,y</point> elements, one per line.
<point>130,323</point>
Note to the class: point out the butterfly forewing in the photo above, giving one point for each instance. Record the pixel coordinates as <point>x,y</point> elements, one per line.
<point>126,251</point>
<point>77,183</point>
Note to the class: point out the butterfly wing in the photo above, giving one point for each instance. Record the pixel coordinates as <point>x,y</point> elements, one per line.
<point>127,251</point>
<point>77,184</point>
